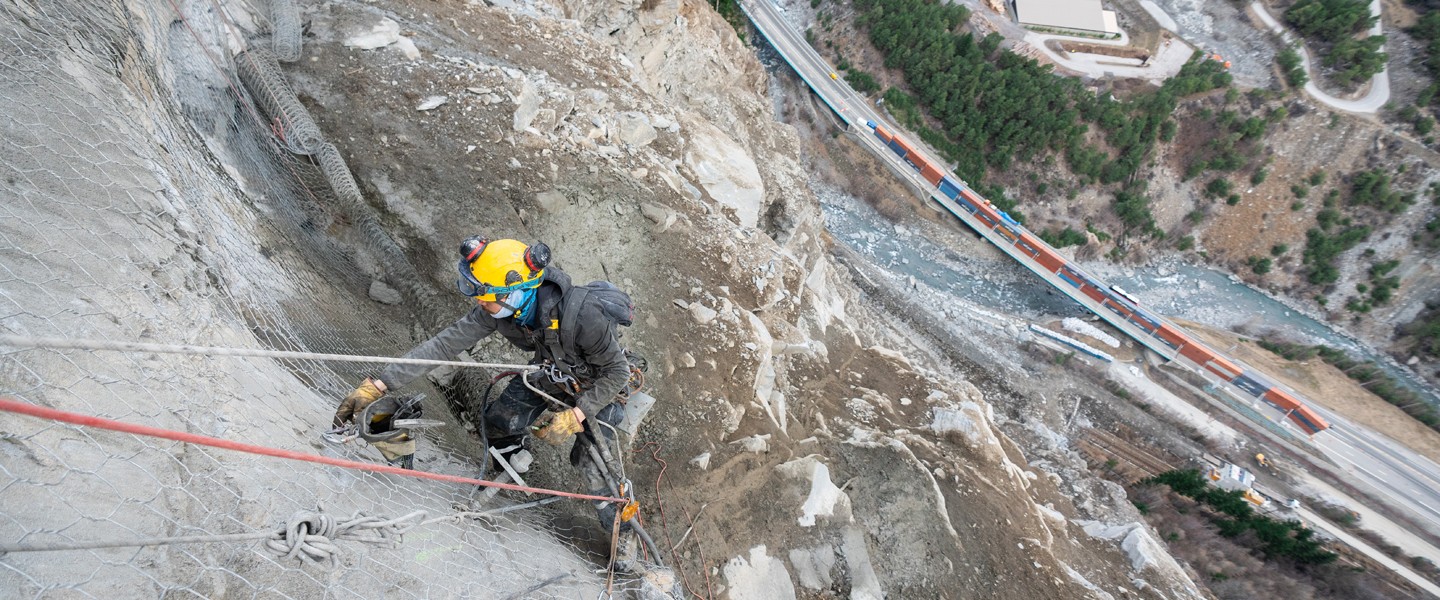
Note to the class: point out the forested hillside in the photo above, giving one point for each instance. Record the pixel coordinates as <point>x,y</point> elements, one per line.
<point>1191,166</point>
<point>986,107</point>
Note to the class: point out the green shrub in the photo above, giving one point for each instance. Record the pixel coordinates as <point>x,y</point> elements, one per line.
<point>1292,67</point>
<point>1329,20</point>
<point>1133,208</point>
<point>1321,250</point>
<point>1372,188</point>
<point>1426,331</point>
<point>1195,169</point>
<point>1063,238</point>
<point>1356,59</point>
<point>1288,540</point>
<point>862,82</point>
<point>995,107</point>
<point>1218,187</point>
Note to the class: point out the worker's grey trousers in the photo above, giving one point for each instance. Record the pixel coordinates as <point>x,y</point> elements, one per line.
<point>509,417</point>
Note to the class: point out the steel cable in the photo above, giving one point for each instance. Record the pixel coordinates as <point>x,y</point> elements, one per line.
<point>53,343</point>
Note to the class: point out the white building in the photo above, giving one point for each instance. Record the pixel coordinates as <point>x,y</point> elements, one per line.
<point>1231,477</point>
<point>1080,16</point>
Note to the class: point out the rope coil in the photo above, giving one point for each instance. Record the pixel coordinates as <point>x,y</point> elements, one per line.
<point>311,537</point>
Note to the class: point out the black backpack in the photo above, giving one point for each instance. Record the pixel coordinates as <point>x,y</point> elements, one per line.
<point>377,421</point>
<point>615,304</point>
<point>619,308</point>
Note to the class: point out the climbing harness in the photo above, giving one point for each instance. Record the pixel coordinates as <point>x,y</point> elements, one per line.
<point>559,378</point>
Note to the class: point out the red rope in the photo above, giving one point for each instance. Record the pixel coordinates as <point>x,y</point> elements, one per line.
<point>11,405</point>
<point>660,506</point>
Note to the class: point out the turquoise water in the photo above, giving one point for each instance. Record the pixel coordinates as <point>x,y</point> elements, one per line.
<point>967,268</point>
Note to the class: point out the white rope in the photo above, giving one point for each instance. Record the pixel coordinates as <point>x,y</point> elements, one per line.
<point>188,539</point>
<point>17,341</point>
<point>309,536</point>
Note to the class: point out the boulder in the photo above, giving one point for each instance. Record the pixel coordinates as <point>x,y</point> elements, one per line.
<point>551,201</point>
<point>383,34</point>
<point>758,577</point>
<point>528,106</point>
<point>634,128</point>
<point>727,172</point>
<point>384,294</point>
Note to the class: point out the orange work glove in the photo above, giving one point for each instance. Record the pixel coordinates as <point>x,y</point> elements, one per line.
<point>555,427</point>
<point>363,396</point>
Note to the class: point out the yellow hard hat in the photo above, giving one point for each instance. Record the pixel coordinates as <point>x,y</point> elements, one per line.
<point>490,268</point>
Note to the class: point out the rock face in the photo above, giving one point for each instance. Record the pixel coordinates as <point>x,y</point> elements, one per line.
<point>634,138</point>
<point>758,576</point>
<point>634,128</point>
<point>726,171</point>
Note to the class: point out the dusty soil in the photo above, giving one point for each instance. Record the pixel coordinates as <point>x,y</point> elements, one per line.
<point>1120,51</point>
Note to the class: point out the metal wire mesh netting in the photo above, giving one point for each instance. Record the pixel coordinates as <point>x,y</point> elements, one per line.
<point>145,195</point>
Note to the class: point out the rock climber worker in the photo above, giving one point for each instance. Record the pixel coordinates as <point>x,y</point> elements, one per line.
<point>532,303</point>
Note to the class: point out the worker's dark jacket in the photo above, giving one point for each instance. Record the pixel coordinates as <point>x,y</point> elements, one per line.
<point>596,360</point>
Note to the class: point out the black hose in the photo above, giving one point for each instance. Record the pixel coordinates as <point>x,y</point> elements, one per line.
<point>480,425</point>
<point>600,455</point>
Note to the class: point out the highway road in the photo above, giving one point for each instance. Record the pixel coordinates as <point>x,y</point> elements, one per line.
<point>854,108</point>
<point>1388,468</point>
<point>1409,482</point>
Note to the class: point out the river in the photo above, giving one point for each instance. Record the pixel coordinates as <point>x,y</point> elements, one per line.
<point>962,264</point>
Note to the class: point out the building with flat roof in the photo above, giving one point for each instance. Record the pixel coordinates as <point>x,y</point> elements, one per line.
<point>1079,16</point>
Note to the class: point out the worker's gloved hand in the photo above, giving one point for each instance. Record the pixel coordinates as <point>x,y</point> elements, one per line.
<point>555,428</point>
<point>368,392</point>
<point>399,452</point>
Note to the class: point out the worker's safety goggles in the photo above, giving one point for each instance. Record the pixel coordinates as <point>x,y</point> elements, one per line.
<point>470,286</point>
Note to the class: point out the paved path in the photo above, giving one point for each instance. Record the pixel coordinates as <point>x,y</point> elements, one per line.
<point>1161,17</point>
<point>1364,547</point>
<point>1164,65</point>
<point>1370,103</point>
